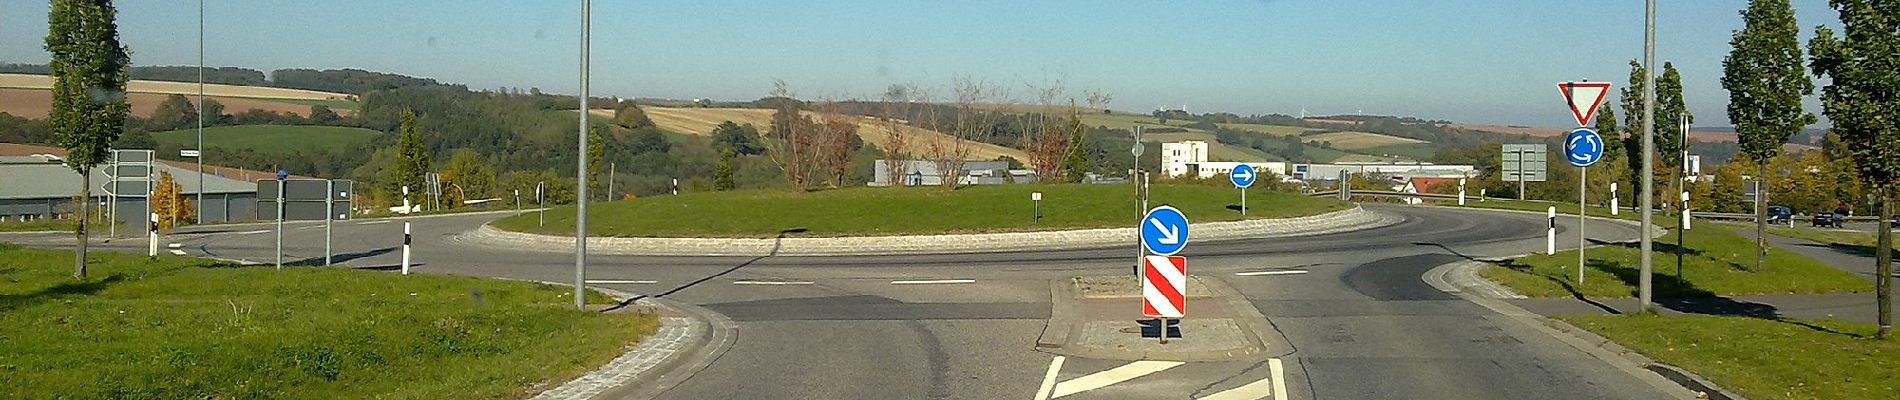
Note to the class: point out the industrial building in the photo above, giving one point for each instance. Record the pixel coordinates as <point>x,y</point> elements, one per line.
<point>36,184</point>
<point>925,173</point>
<point>1190,157</point>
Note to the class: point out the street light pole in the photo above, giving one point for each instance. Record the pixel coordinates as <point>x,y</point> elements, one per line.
<point>580,212</point>
<point>1649,149</point>
<point>201,115</point>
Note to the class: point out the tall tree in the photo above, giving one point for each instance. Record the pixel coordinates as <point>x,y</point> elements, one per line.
<point>88,66</point>
<point>1077,165</point>
<point>412,161</point>
<point>1632,104</point>
<point>1861,103</point>
<point>722,173</point>
<point>1765,80</point>
<point>596,150</point>
<point>170,202</point>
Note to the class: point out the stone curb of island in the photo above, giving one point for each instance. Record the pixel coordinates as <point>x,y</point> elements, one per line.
<point>1352,219</point>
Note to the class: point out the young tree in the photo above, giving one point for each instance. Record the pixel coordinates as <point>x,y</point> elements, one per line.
<point>1077,165</point>
<point>969,123</point>
<point>722,173</point>
<point>88,66</point>
<point>1671,113</point>
<point>412,162</point>
<point>1632,103</point>
<point>1765,80</point>
<point>468,176</point>
<point>596,150</point>
<point>898,107</point>
<point>792,141</point>
<point>170,202</point>
<point>1861,102</point>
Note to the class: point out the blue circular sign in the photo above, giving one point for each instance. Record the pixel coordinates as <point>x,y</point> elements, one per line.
<point>1164,231</point>
<point>281,174</point>
<point>1583,147</point>
<point>1243,176</point>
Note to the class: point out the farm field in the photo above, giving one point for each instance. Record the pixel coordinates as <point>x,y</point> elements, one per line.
<point>36,103</point>
<point>43,82</point>
<point>1360,140</point>
<point>701,121</point>
<point>1267,129</point>
<point>270,139</point>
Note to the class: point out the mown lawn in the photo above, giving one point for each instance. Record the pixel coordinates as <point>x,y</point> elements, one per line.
<point>914,210</point>
<point>1716,261</point>
<point>186,328</point>
<point>38,225</point>
<point>1761,358</point>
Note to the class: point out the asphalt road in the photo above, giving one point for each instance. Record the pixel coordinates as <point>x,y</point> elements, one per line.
<point>1361,321</point>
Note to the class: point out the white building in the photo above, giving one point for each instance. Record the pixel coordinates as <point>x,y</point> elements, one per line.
<point>1190,156</point>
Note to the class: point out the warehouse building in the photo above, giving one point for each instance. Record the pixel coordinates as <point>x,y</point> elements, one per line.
<point>41,186</point>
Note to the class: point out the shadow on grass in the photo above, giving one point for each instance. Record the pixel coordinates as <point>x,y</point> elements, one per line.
<point>1675,294</point>
<point>9,302</point>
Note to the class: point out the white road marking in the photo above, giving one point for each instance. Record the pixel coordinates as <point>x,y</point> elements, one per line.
<point>380,221</point>
<point>1113,376</point>
<point>1259,389</point>
<point>310,227</point>
<point>177,252</point>
<point>1275,272</point>
<point>174,245</point>
<point>1279,378</point>
<point>933,282</point>
<point>1049,379</point>
<point>252,232</point>
<point>771,282</point>
<point>619,282</point>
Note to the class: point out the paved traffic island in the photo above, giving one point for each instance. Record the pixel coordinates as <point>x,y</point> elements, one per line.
<point>178,327</point>
<point>916,220</point>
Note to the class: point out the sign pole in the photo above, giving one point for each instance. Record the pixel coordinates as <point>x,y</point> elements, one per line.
<point>280,222</point>
<point>1520,174</point>
<point>1164,330</point>
<point>329,208</point>
<point>1583,174</point>
<point>1243,201</point>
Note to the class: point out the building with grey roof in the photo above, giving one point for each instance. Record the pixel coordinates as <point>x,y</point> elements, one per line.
<point>40,186</point>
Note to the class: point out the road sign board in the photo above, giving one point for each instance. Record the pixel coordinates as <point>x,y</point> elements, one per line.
<point>1584,97</point>
<point>1243,176</point>
<point>1164,231</point>
<point>1164,286</point>
<point>1583,147</point>
<point>1527,160</point>
<point>305,199</point>
<point>1136,150</point>
<point>187,153</point>
<point>128,188</point>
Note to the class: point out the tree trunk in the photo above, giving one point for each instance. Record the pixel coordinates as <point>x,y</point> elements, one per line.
<point>1761,214</point>
<point>1883,257</point>
<point>85,214</point>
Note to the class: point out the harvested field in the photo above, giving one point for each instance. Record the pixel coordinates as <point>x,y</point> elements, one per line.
<point>35,103</point>
<point>701,121</point>
<point>24,81</point>
<point>1360,140</point>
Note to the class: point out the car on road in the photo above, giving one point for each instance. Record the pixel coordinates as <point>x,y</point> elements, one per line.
<point>1827,219</point>
<point>1780,215</point>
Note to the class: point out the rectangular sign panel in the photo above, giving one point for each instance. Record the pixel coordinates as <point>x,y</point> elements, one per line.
<point>128,188</point>
<point>305,199</point>
<point>1530,160</point>
<point>302,210</point>
<point>132,156</point>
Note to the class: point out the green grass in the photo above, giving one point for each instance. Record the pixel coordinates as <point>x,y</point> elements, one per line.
<point>1763,359</point>
<point>1267,129</point>
<point>178,328</point>
<point>271,139</point>
<point>915,210</point>
<point>1716,262</point>
<point>38,225</point>
<point>1861,242</point>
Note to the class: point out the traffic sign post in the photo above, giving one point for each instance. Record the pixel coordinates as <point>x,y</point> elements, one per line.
<point>1164,289</point>
<point>1035,207</point>
<point>1582,147</point>
<point>1243,177</point>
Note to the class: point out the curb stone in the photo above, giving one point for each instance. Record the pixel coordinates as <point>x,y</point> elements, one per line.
<point>656,357</point>
<point>1669,378</point>
<point>1355,218</point>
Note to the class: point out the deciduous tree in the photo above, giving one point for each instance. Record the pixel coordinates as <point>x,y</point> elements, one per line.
<point>88,66</point>
<point>1765,80</point>
<point>1861,103</point>
<point>170,202</point>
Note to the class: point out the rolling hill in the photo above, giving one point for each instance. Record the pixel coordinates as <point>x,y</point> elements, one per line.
<point>701,121</point>
<point>31,96</point>
<point>270,139</point>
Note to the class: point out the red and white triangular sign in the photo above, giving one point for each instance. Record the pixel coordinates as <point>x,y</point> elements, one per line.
<point>1584,97</point>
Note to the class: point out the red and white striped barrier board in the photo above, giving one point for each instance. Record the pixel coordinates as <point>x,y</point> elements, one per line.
<point>1164,286</point>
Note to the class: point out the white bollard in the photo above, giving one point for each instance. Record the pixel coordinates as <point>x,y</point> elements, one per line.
<point>1550,239</point>
<point>1613,198</point>
<point>1685,211</point>
<point>405,247</point>
<point>153,236</point>
<point>1461,191</point>
<point>1483,193</point>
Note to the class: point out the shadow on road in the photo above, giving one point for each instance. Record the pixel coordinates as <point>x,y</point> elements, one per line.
<point>776,243</point>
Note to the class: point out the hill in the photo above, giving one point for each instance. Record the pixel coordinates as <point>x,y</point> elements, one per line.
<point>26,81</point>
<point>701,121</point>
<point>271,139</point>
<point>1248,141</point>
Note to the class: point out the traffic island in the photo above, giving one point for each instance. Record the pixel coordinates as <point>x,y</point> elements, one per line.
<point>1100,317</point>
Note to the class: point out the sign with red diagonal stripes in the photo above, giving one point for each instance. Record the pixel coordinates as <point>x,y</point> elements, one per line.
<point>1164,286</point>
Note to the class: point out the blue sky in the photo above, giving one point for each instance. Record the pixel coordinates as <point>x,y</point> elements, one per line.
<point>1464,60</point>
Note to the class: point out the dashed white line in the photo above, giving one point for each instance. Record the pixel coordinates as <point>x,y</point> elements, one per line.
<point>619,282</point>
<point>771,282</point>
<point>252,232</point>
<point>934,282</point>
<point>310,227</point>
<point>177,252</point>
<point>380,221</point>
<point>1113,376</point>
<point>173,245</point>
<point>1275,272</point>
<point>1049,379</point>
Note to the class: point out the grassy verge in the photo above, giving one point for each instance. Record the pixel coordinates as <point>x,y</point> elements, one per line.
<point>1541,206</point>
<point>38,225</point>
<point>1716,261</point>
<point>176,328</point>
<point>1763,359</point>
<point>1856,241</point>
<point>900,211</point>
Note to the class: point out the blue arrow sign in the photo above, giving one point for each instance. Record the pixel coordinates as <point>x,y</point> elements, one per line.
<point>1164,231</point>
<point>1243,176</point>
<point>1583,147</point>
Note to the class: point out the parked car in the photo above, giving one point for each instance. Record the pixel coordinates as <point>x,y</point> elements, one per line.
<point>1827,219</point>
<point>1780,215</point>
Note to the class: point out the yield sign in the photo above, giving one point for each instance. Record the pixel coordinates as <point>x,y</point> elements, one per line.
<point>1584,97</point>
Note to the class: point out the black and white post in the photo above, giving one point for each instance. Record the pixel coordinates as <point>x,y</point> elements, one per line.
<point>406,240</point>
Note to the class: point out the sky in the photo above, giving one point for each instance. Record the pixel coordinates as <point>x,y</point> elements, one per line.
<point>1474,61</point>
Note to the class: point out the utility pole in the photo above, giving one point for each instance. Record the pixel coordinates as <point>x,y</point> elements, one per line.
<point>1649,150</point>
<point>580,211</point>
<point>201,118</point>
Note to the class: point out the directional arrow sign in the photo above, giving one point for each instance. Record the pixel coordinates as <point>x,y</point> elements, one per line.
<point>1583,147</point>
<point>1164,231</point>
<point>1243,176</point>
<point>1584,97</point>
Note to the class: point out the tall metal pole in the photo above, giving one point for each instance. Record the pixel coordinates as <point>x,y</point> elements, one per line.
<point>1649,149</point>
<point>580,211</point>
<point>1682,172</point>
<point>201,114</point>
